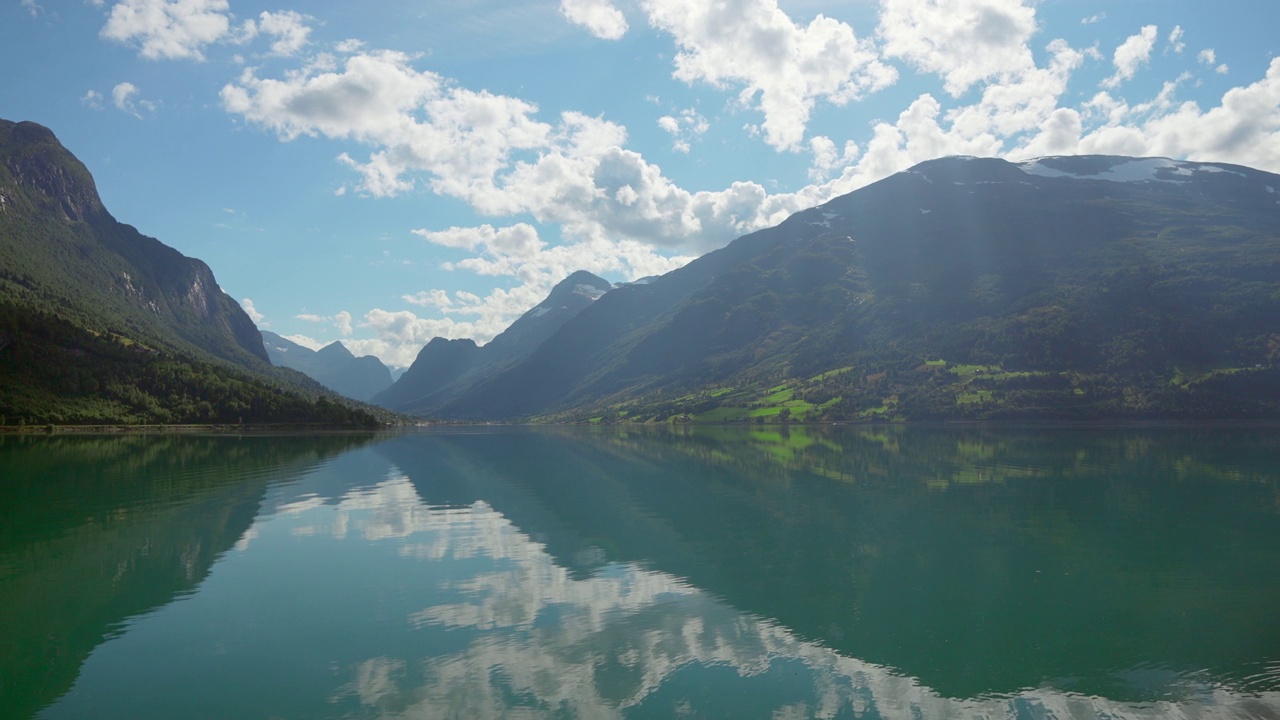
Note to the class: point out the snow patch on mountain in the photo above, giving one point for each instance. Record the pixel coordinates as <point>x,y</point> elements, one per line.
<point>588,291</point>
<point>1129,170</point>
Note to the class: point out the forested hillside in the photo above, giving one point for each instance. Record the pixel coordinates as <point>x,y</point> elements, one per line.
<point>100,324</point>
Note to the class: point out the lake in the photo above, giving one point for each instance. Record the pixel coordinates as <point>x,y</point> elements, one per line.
<point>699,572</point>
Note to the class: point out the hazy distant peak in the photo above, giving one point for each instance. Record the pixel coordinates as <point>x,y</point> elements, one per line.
<point>335,349</point>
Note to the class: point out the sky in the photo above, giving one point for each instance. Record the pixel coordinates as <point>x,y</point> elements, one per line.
<point>385,172</point>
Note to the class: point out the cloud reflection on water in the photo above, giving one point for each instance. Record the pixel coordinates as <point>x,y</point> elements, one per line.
<point>547,643</point>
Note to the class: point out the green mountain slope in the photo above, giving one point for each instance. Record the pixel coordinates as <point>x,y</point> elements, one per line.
<point>100,324</point>
<point>61,249</point>
<point>1077,287</point>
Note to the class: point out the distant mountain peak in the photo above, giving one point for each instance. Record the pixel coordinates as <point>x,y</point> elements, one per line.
<point>442,363</point>
<point>336,349</point>
<point>333,366</point>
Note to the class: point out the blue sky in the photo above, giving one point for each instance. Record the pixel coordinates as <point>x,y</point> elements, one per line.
<point>386,172</point>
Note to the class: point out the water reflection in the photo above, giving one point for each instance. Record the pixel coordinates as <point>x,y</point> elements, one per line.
<point>94,530</point>
<point>1081,555</point>
<point>522,573</point>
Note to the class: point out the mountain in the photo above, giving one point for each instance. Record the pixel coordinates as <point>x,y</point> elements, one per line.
<point>61,244</point>
<point>333,366</point>
<point>445,368</point>
<point>1069,287</point>
<point>101,324</point>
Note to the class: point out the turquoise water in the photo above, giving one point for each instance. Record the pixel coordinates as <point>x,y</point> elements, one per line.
<point>598,572</point>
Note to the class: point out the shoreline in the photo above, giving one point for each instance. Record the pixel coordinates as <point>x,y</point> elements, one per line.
<point>209,429</point>
<point>326,429</point>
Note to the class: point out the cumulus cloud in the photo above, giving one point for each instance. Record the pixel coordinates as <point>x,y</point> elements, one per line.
<point>1132,53</point>
<point>123,97</point>
<point>1176,42</point>
<point>599,17</point>
<point>963,41</point>
<point>289,29</point>
<point>340,321</point>
<point>783,69</point>
<point>184,29</point>
<point>828,159</point>
<point>252,312</point>
<point>1244,128</point>
<point>1096,18</point>
<point>168,29</point>
<point>496,154</point>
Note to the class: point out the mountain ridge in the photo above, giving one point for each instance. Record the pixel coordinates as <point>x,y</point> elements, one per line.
<point>1078,287</point>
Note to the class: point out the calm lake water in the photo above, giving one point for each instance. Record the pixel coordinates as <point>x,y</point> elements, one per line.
<point>596,573</point>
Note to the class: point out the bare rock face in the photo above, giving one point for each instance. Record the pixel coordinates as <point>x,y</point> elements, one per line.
<point>41,165</point>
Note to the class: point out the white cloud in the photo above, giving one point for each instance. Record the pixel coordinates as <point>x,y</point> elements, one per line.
<point>1099,17</point>
<point>122,96</point>
<point>168,29</point>
<point>342,321</point>
<point>1176,42</point>
<point>1132,53</point>
<point>599,17</point>
<point>1244,128</point>
<point>438,299</point>
<point>470,146</point>
<point>464,138</point>
<point>685,127</point>
<point>93,99</point>
<point>783,69</point>
<point>827,159</point>
<point>252,311</point>
<point>1209,57</point>
<point>32,8</point>
<point>398,336</point>
<point>963,41</point>
<point>305,341</point>
<point>288,27</point>
<point>349,45</point>
<point>183,29</point>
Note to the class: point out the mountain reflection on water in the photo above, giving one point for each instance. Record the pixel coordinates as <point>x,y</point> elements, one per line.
<point>710,572</point>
